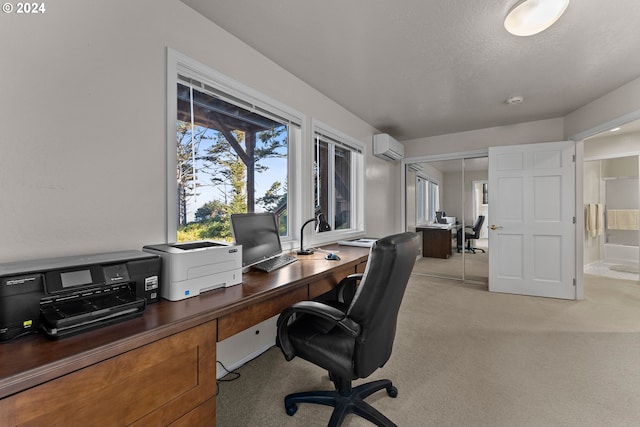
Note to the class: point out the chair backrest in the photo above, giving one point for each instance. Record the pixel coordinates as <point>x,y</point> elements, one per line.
<point>377,301</point>
<point>477,226</point>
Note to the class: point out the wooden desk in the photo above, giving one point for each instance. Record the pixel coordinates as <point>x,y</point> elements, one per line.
<point>436,241</point>
<point>158,369</point>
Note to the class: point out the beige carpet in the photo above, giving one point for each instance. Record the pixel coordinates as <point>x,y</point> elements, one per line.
<point>461,265</point>
<point>467,357</point>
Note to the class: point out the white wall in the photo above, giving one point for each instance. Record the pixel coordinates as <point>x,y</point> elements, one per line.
<point>83,112</point>
<point>621,104</point>
<point>522,133</point>
<point>82,166</point>
<point>614,145</point>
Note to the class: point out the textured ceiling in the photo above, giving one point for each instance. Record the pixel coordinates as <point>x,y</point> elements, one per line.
<point>416,68</point>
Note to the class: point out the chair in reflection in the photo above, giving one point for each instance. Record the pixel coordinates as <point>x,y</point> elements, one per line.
<point>470,233</point>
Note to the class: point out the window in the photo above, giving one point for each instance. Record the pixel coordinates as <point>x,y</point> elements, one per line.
<point>232,153</point>
<point>421,197</point>
<point>427,199</point>
<point>434,200</point>
<point>338,175</point>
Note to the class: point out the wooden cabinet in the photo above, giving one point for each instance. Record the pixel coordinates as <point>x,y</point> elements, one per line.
<point>255,313</point>
<point>158,369</point>
<point>167,382</point>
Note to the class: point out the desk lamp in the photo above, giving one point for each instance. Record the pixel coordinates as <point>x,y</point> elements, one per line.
<point>302,250</point>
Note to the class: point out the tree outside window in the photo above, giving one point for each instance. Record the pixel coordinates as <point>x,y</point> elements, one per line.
<point>229,160</point>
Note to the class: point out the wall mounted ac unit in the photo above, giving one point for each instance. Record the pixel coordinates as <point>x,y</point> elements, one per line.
<point>416,167</point>
<point>387,148</point>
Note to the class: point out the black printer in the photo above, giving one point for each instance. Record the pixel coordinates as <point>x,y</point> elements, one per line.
<point>69,295</point>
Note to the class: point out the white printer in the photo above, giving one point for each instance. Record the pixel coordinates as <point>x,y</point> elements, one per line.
<point>190,268</point>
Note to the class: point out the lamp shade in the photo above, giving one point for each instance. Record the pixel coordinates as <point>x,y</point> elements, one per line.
<point>530,17</point>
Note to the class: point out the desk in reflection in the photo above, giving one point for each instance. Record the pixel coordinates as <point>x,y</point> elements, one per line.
<point>437,240</point>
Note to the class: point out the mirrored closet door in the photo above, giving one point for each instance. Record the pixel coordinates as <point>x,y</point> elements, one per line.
<point>447,203</point>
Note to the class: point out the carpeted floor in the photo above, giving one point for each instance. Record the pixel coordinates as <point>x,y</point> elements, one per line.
<point>461,265</point>
<point>467,357</point>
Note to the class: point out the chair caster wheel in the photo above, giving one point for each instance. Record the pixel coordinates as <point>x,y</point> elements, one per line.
<point>291,409</point>
<point>392,391</point>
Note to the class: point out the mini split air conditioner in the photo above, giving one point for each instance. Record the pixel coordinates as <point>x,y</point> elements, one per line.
<point>416,167</point>
<point>387,148</point>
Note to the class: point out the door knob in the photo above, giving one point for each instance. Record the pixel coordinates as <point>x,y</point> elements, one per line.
<point>495,227</point>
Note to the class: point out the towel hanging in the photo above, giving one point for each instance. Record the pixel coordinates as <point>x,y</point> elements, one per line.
<point>622,219</point>
<point>599,219</point>
<point>590,221</point>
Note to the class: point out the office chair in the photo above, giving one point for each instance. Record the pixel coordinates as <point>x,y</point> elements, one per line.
<point>349,331</point>
<point>471,235</point>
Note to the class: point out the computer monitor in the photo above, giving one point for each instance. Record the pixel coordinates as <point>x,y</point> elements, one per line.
<point>258,234</point>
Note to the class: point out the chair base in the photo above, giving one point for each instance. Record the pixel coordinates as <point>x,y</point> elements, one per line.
<point>469,248</point>
<point>345,402</point>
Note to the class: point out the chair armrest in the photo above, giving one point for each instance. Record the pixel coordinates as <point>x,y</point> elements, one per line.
<point>314,308</point>
<point>346,288</point>
<point>343,292</point>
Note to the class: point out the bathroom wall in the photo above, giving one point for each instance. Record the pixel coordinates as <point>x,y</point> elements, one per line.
<point>621,191</point>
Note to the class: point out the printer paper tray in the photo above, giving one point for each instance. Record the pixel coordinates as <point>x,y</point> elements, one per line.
<point>72,325</point>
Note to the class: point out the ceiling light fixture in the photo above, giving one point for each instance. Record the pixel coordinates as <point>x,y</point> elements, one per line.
<point>614,129</point>
<point>530,17</point>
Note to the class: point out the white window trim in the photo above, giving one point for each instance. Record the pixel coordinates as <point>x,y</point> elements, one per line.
<point>358,184</point>
<point>421,196</point>
<point>427,179</point>
<point>182,64</point>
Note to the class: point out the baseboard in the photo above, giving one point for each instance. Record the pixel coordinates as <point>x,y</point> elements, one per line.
<point>221,372</point>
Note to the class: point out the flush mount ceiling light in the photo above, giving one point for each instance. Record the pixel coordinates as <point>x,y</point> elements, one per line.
<point>530,17</point>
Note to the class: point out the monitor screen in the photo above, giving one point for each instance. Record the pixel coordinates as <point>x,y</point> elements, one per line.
<point>258,234</point>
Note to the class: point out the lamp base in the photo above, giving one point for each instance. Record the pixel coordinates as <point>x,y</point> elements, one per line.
<point>305,251</point>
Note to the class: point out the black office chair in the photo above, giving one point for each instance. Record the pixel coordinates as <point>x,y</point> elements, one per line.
<point>349,331</point>
<point>473,234</point>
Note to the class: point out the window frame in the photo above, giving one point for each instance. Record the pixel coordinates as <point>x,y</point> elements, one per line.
<point>433,192</point>
<point>358,167</point>
<point>421,197</point>
<point>178,63</point>
<point>427,199</point>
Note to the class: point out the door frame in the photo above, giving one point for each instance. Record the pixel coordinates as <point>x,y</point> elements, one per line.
<point>579,139</point>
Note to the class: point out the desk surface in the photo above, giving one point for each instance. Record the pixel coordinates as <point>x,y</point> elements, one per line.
<point>34,359</point>
<point>436,227</point>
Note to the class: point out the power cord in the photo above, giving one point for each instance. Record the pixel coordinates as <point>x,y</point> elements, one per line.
<point>235,376</point>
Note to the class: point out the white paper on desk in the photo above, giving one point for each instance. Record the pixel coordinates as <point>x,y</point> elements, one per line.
<point>438,226</point>
<point>365,243</point>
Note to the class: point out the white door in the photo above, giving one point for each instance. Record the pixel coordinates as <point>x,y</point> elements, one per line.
<point>531,232</point>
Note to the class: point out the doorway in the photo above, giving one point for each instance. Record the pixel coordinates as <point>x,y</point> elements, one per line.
<point>611,196</point>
